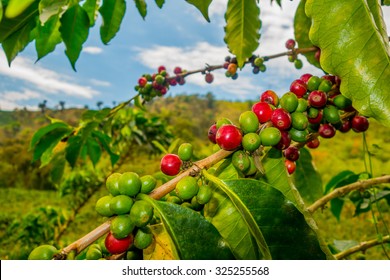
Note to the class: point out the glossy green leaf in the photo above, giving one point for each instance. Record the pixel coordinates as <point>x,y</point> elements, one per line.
<point>250,221</point>
<point>57,171</point>
<point>94,150</point>
<point>335,180</point>
<point>306,178</point>
<point>73,149</point>
<point>302,24</point>
<point>242,28</point>
<point>160,3</point>
<point>74,31</point>
<point>222,213</point>
<point>104,141</point>
<point>284,228</point>
<point>226,170</point>
<point>202,6</point>
<point>10,26</point>
<point>276,174</point>
<point>189,231</point>
<point>353,47</point>
<point>44,130</point>
<point>48,36</point>
<point>48,142</point>
<point>112,12</point>
<point>92,9</point>
<point>141,7</point>
<point>49,8</point>
<point>17,41</point>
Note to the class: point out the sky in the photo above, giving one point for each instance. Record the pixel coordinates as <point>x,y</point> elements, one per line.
<point>176,35</point>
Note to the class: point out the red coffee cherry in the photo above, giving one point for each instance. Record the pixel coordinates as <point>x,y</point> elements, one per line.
<point>170,164</point>
<point>229,137</point>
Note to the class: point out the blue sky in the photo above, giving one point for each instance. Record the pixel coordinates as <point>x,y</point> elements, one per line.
<point>176,35</point>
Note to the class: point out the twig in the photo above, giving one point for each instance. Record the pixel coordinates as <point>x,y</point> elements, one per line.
<point>364,184</point>
<point>363,246</point>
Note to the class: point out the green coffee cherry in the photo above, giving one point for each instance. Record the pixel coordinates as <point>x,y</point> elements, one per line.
<point>148,183</point>
<point>240,161</point>
<point>270,136</point>
<point>251,142</point>
<point>143,238</point>
<point>185,151</point>
<point>204,194</point>
<point>187,188</point>
<point>248,122</point>
<point>289,102</point>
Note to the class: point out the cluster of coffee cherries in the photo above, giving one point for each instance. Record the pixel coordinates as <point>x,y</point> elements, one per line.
<point>131,217</point>
<point>290,45</point>
<point>231,66</point>
<point>190,191</point>
<point>313,108</point>
<point>157,84</point>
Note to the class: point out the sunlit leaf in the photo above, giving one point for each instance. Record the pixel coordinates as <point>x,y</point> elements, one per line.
<point>190,244</point>
<point>112,12</point>
<point>49,8</point>
<point>74,31</point>
<point>202,6</point>
<point>48,36</point>
<point>355,47</point>
<point>161,248</point>
<point>242,28</point>
<point>44,130</point>
<point>92,9</point>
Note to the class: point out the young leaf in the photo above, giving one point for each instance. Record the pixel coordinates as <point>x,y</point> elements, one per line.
<point>202,6</point>
<point>48,36</point>
<point>302,25</point>
<point>160,3</point>
<point>112,12</point>
<point>350,36</point>
<point>141,7</point>
<point>17,41</point>
<point>190,244</point>
<point>306,178</point>
<point>91,7</point>
<point>74,31</point>
<point>285,229</point>
<point>44,130</point>
<point>49,8</point>
<point>249,219</point>
<point>242,28</point>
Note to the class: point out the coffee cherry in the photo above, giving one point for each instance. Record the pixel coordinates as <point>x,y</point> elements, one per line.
<point>212,133</point>
<point>302,105</point>
<point>298,87</point>
<point>298,64</point>
<point>289,102</point>
<point>118,246</point>
<point>187,188</point>
<point>270,97</point>
<point>232,68</point>
<point>94,252</point>
<point>248,122</point>
<point>317,119</point>
<point>240,161</point>
<point>342,102</point>
<point>141,213</point>
<point>121,226</point>
<point>281,119</point>
<point>129,184</point>
<point>251,142</point>
<point>177,70</point>
<point>325,85</point>
<point>112,183</point>
<point>209,78</point>
<point>121,204</point>
<point>345,126</point>
<point>185,151</point>
<point>290,44</point>
<point>204,194</point>
<point>326,130</point>
<point>103,206</point>
<point>359,124</point>
<point>222,121</point>
<point>270,136</point>
<point>263,111</point>
<point>258,61</point>
<point>290,166</point>
<point>313,83</point>
<point>317,99</point>
<point>142,82</point>
<point>285,141</point>
<point>43,252</point>
<point>299,120</point>
<point>143,238</point>
<point>291,153</point>
<point>298,135</point>
<point>305,77</point>
<point>229,137</point>
<point>170,164</point>
<point>313,144</point>
<point>331,114</point>
<point>148,183</point>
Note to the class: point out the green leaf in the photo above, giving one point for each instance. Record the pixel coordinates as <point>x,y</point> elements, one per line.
<point>159,146</point>
<point>73,149</point>
<point>17,41</point>
<point>1,11</point>
<point>105,140</point>
<point>174,145</point>
<point>141,7</point>
<point>94,150</point>
<point>92,9</point>
<point>350,36</point>
<point>74,31</point>
<point>202,6</point>
<point>249,219</point>
<point>302,24</point>
<point>242,28</point>
<point>284,228</point>
<point>335,180</point>
<point>49,8</point>
<point>222,213</point>
<point>160,3</point>
<point>112,12</point>
<point>386,2</point>
<point>58,168</point>
<point>44,130</point>
<point>48,36</point>
<point>306,178</point>
<point>190,244</point>
<point>138,101</point>
<point>48,142</point>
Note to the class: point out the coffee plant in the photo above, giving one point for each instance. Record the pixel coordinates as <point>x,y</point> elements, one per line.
<point>256,195</point>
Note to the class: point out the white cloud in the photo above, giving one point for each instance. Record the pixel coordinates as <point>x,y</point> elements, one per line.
<point>48,81</point>
<point>92,50</point>
<point>100,83</point>
<point>26,94</point>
